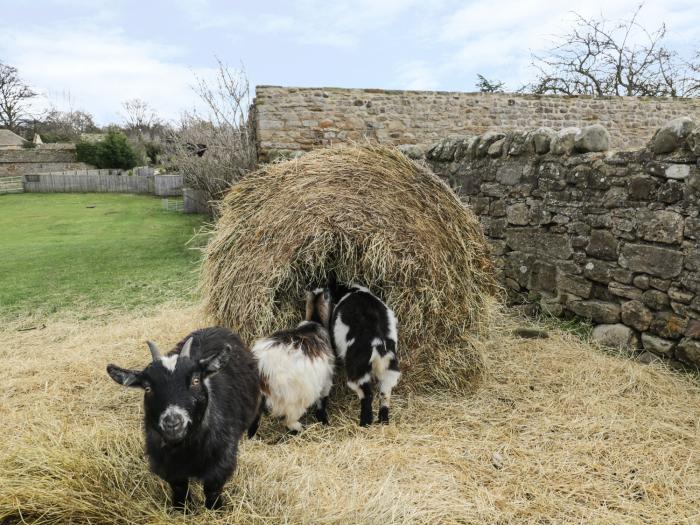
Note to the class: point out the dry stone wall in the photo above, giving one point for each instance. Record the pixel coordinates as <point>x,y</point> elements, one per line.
<point>19,162</point>
<point>610,236</point>
<point>289,120</point>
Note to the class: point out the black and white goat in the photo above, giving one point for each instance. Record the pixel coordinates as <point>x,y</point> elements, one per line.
<point>364,334</point>
<point>296,366</point>
<point>198,401</point>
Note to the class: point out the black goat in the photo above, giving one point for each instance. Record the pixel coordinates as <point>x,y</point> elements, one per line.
<point>364,334</point>
<point>198,401</point>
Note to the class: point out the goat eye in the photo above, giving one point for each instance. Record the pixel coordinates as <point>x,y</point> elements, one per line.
<point>195,381</point>
<point>147,389</point>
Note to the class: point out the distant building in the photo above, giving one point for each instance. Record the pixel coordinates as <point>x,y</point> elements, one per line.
<point>10,140</point>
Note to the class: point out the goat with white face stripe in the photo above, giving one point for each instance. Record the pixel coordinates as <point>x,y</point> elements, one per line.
<point>364,334</point>
<point>198,401</point>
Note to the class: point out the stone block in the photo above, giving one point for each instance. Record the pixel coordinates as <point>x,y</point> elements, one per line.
<point>688,351</point>
<point>596,311</point>
<point>658,345</point>
<point>496,149</point>
<point>671,135</point>
<point>623,290</point>
<point>642,188</point>
<point>668,325</point>
<point>662,262</point>
<point>531,240</point>
<point>542,277</point>
<point>655,299</point>
<point>541,139</point>
<point>597,270</point>
<point>680,295</point>
<point>677,171</point>
<point>485,142</point>
<point>603,245</point>
<point>592,138</point>
<point>574,284</point>
<point>693,328</point>
<point>615,336</point>
<point>518,214</point>
<point>564,142</point>
<point>641,282</point>
<point>661,226</point>
<point>636,315</point>
<point>659,284</point>
<point>670,192</point>
<point>693,141</point>
<point>509,174</point>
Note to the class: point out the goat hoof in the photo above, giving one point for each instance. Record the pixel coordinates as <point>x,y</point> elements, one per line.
<point>322,417</point>
<point>384,415</point>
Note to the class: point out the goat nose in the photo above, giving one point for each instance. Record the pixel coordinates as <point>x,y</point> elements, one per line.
<point>173,422</point>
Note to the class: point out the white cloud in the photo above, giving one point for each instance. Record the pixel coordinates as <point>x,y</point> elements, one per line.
<point>498,40</point>
<point>416,74</point>
<point>101,69</point>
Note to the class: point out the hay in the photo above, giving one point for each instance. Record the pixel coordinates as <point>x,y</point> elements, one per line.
<point>371,216</point>
<point>583,437</point>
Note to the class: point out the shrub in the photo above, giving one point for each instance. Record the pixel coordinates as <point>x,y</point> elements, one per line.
<point>87,152</point>
<point>114,151</point>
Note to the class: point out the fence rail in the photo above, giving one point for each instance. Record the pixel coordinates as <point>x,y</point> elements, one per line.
<point>103,181</point>
<point>11,185</point>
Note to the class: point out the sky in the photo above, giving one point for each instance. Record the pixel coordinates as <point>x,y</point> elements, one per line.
<point>94,54</point>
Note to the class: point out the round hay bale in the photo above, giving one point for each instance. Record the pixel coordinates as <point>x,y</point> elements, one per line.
<point>371,216</point>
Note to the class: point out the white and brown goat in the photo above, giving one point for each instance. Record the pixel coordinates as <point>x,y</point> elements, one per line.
<point>296,366</point>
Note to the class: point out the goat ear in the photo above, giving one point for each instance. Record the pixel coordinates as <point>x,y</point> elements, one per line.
<point>212,363</point>
<point>326,294</point>
<point>124,376</point>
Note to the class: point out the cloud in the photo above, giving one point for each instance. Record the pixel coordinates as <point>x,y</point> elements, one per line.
<point>499,42</point>
<point>416,74</point>
<point>101,69</point>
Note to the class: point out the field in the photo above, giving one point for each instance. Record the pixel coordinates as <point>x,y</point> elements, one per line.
<point>92,252</point>
<point>557,432</point>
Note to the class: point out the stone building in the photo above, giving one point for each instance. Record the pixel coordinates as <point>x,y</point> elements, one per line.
<point>10,140</point>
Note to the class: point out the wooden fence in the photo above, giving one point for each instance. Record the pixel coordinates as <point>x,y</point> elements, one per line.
<point>103,181</point>
<point>11,185</point>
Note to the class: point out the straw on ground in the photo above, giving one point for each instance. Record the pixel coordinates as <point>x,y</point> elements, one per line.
<point>557,433</point>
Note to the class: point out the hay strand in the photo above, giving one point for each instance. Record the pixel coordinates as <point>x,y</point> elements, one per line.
<point>372,216</point>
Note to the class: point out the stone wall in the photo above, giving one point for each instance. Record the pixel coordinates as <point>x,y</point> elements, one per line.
<point>38,160</point>
<point>609,236</point>
<point>289,120</point>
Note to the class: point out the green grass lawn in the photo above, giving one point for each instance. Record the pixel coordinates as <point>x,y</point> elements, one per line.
<point>58,253</point>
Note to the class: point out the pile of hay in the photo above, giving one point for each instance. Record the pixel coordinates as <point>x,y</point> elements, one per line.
<point>371,216</point>
<point>558,432</point>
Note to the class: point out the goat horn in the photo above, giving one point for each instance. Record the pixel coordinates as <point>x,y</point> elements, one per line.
<point>185,352</point>
<point>155,353</point>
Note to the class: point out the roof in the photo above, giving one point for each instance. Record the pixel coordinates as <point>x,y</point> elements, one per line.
<point>7,138</point>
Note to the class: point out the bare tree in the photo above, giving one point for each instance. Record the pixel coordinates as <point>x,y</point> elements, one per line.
<point>619,58</point>
<point>62,126</point>
<point>138,115</point>
<point>14,94</point>
<point>486,85</point>
<point>215,149</point>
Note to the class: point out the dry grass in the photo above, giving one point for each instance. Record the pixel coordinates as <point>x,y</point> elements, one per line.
<point>583,437</point>
<point>372,216</point>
